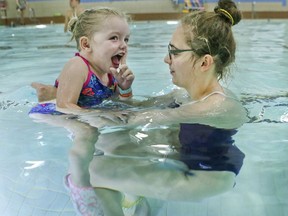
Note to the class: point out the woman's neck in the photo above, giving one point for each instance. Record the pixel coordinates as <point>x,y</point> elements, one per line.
<point>201,90</point>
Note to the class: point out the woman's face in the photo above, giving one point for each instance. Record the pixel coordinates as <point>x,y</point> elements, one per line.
<point>182,64</point>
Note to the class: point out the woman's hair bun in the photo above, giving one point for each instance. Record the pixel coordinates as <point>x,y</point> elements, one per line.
<point>229,11</point>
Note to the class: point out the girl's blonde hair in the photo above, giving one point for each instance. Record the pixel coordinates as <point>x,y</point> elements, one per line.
<point>91,21</point>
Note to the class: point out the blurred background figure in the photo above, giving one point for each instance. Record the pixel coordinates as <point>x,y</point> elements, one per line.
<point>21,6</point>
<point>3,10</point>
<point>74,11</point>
<point>192,5</point>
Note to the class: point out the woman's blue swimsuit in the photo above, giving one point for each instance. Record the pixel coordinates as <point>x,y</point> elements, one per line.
<point>208,148</point>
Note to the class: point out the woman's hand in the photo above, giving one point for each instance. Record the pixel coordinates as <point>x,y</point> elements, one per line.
<point>102,118</point>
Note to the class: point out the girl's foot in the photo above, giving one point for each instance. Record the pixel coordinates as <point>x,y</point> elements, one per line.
<point>84,199</point>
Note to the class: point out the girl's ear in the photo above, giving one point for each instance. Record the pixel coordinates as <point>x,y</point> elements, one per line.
<point>84,43</point>
<point>207,62</point>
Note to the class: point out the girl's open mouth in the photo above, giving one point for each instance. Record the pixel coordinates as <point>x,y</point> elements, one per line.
<point>116,60</point>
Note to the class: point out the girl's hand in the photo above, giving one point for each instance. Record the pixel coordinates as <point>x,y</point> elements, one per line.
<point>123,74</point>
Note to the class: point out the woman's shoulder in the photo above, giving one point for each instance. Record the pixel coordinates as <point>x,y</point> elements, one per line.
<point>229,113</point>
<point>218,110</point>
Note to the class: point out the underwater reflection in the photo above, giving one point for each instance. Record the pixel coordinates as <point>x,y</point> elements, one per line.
<point>198,146</point>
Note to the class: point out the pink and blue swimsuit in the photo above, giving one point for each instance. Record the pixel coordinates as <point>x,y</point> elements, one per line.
<point>92,94</point>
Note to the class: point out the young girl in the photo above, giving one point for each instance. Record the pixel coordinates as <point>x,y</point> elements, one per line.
<point>97,72</point>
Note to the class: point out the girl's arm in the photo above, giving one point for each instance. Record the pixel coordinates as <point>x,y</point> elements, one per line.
<point>71,80</point>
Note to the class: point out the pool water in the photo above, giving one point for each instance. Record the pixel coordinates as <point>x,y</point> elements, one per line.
<point>34,156</point>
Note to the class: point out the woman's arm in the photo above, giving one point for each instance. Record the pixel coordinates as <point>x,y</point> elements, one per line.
<point>176,96</point>
<point>216,111</point>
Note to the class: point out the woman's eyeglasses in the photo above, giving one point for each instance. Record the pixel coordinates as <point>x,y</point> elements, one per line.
<point>176,51</point>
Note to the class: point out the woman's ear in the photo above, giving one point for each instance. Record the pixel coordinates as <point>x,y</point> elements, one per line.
<point>84,43</point>
<point>207,62</point>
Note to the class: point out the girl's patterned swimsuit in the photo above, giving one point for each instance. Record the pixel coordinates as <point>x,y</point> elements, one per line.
<point>92,94</point>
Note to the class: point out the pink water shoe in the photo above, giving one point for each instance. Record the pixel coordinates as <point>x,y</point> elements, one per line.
<point>84,199</point>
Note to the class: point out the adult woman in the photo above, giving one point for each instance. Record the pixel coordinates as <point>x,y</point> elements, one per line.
<point>203,160</point>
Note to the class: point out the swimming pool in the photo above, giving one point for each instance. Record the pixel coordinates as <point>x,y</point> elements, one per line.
<point>34,156</point>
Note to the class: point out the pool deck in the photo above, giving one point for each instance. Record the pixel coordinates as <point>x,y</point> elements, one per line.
<point>153,16</point>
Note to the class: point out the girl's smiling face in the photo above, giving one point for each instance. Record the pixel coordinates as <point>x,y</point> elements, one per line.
<point>109,45</point>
